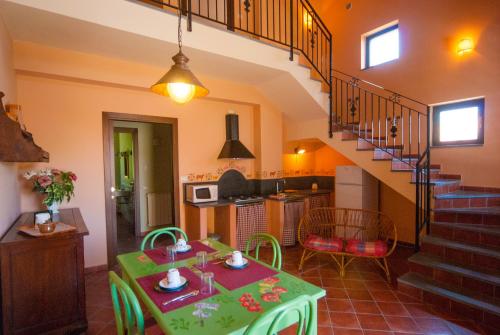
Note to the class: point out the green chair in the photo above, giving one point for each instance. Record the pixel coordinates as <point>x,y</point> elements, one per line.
<point>153,235</point>
<point>263,237</point>
<point>130,320</point>
<point>300,309</point>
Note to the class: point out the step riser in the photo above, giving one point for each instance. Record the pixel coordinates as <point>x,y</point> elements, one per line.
<point>470,218</point>
<point>466,236</point>
<point>466,258</point>
<point>467,203</point>
<point>450,278</point>
<point>485,319</point>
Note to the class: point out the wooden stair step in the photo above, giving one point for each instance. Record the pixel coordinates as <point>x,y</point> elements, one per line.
<point>448,298</point>
<point>476,276</point>
<point>470,215</point>
<point>468,233</point>
<point>462,253</point>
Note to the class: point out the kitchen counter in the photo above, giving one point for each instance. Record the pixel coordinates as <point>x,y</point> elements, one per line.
<point>299,194</point>
<point>217,203</point>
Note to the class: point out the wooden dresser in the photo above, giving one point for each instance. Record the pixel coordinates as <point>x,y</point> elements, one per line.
<point>43,283</point>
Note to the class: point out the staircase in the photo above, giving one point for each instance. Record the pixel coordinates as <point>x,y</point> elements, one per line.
<point>458,267</point>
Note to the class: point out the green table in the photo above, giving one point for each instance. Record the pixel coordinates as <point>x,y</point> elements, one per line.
<point>225,313</point>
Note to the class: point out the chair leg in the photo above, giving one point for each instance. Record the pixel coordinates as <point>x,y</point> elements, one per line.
<point>342,267</point>
<point>387,273</point>
<point>302,259</point>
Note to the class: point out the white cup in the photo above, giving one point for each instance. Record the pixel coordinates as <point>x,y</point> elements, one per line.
<point>42,217</point>
<point>181,243</point>
<point>237,258</point>
<point>173,277</point>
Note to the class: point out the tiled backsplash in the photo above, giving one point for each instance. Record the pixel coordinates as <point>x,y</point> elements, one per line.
<point>232,182</point>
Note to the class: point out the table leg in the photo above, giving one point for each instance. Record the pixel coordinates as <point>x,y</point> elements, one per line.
<point>314,319</point>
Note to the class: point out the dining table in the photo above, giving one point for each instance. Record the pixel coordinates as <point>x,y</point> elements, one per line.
<point>239,296</point>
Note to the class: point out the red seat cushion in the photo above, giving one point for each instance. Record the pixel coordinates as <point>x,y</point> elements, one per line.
<point>323,244</point>
<point>360,248</point>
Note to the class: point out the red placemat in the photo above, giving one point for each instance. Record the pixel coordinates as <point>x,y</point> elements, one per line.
<point>159,255</point>
<point>148,283</point>
<point>233,279</point>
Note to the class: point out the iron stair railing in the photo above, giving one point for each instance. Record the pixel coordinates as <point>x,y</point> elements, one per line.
<point>397,126</point>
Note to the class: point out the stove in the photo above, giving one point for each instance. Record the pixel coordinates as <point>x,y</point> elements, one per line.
<point>244,199</point>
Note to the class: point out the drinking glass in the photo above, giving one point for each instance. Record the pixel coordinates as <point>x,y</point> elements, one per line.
<point>201,259</point>
<point>171,253</point>
<point>207,283</point>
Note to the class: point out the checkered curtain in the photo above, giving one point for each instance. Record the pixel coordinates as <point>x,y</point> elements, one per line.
<point>293,213</point>
<point>322,200</point>
<point>250,219</point>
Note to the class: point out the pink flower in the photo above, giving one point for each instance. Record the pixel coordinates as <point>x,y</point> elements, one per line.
<point>72,176</point>
<point>271,280</point>
<point>44,181</point>
<point>270,297</point>
<point>279,290</point>
<point>255,308</point>
<point>56,172</point>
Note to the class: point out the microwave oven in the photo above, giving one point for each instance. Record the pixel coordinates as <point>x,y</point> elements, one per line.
<point>202,193</point>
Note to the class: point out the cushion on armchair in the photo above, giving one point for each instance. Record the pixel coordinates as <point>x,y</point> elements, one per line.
<point>323,244</point>
<point>361,248</point>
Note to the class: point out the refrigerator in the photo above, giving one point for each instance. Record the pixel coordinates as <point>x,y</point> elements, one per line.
<point>355,188</point>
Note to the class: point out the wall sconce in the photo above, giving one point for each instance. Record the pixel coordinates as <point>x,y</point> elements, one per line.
<point>465,46</point>
<point>307,17</point>
<point>299,151</point>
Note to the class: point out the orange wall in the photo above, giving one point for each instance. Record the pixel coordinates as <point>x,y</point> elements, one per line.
<point>9,188</point>
<point>320,162</point>
<point>429,68</point>
<point>70,108</point>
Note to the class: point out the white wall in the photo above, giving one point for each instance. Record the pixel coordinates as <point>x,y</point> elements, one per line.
<point>9,188</point>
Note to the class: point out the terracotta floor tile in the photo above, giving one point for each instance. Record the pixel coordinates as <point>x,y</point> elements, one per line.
<point>344,320</point>
<point>313,280</point>
<point>376,285</point>
<point>354,284</point>
<point>324,330</point>
<point>324,318</point>
<point>406,298</point>
<point>359,294</point>
<point>333,282</point>
<point>403,324</point>
<point>340,305</point>
<point>384,295</point>
<point>393,308</point>
<point>338,293</point>
<point>374,322</point>
<point>322,305</point>
<point>377,332</point>
<point>347,331</point>
<point>365,307</point>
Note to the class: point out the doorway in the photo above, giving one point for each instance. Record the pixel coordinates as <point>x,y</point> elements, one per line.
<point>141,179</point>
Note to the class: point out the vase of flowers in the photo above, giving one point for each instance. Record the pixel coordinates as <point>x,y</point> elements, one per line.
<point>57,185</point>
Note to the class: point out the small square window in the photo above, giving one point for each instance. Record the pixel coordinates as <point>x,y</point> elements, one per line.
<point>382,46</point>
<point>458,123</point>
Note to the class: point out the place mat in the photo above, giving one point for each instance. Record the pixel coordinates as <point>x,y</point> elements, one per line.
<point>233,279</point>
<point>159,255</point>
<point>33,231</point>
<point>148,283</point>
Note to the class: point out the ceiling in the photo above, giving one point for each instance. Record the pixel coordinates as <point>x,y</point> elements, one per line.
<point>33,25</point>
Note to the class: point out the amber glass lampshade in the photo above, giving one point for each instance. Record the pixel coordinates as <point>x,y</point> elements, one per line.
<point>179,83</point>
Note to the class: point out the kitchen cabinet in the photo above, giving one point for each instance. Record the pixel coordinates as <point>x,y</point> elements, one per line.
<point>43,283</point>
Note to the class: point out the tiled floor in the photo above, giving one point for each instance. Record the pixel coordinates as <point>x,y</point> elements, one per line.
<point>361,303</point>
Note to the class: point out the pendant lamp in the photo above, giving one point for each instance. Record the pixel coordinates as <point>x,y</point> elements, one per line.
<point>179,83</point>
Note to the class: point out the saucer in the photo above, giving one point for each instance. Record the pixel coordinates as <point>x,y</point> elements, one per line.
<point>165,286</point>
<point>185,249</point>
<point>229,263</point>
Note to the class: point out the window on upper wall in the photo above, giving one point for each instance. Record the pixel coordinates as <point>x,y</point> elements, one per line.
<point>458,123</point>
<point>381,46</point>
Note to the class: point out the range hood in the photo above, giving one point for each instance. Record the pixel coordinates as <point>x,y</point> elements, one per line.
<point>233,148</point>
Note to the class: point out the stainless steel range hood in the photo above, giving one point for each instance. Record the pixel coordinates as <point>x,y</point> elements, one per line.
<point>233,148</point>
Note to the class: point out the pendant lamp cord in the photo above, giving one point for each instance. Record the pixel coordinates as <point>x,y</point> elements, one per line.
<point>179,28</point>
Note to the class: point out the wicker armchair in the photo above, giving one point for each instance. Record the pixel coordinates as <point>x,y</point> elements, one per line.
<point>345,234</point>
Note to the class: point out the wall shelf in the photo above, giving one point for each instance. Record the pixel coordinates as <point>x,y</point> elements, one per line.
<point>16,144</point>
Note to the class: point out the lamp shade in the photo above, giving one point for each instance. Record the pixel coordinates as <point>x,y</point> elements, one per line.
<point>179,83</point>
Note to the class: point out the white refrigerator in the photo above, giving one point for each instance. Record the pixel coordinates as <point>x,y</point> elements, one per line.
<point>355,188</point>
